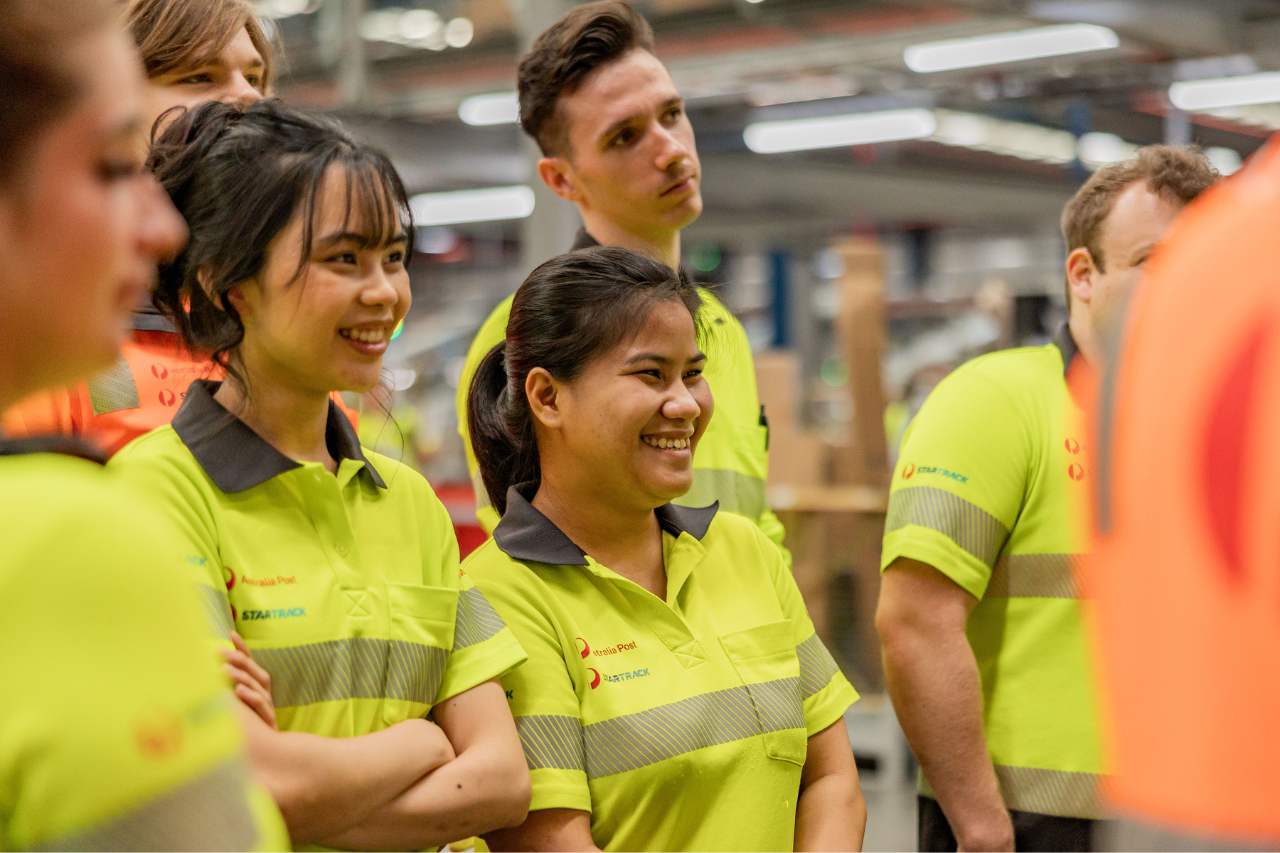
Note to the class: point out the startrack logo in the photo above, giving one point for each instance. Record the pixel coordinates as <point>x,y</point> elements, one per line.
<point>628,676</point>
<point>278,613</point>
<point>943,472</point>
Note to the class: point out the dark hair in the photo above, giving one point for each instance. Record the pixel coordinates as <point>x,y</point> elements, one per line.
<point>568,312</point>
<point>174,34</point>
<point>1177,172</point>
<point>37,83</point>
<point>239,175</point>
<point>590,36</point>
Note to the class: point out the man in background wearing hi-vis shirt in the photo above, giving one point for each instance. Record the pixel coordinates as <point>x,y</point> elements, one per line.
<point>617,143</point>
<point>979,616</point>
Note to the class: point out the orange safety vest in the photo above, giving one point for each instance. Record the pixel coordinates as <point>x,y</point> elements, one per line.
<point>140,392</point>
<point>1185,565</point>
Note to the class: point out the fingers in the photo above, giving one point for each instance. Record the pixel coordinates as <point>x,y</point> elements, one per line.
<point>245,662</point>
<point>257,703</point>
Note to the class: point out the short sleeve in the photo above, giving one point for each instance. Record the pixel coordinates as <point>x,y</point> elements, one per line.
<point>543,701</point>
<point>961,478</point>
<point>189,515</point>
<point>483,646</point>
<point>824,690</point>
<point>131,741</point>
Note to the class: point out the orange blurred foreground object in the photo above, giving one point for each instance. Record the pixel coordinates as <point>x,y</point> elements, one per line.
<point>1185,570</point>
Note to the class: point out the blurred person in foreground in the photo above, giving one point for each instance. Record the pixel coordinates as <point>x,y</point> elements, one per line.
<point>193,51</point>
<point>979,616</point>
<point>617,143</point>
<point>1184,568</point>
<point>116,730</point>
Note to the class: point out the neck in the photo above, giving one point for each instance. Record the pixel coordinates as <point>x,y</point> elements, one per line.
<point>627,539</point>
<point>1086,337</point>
<point>661,245</point>
<point>290,420</point>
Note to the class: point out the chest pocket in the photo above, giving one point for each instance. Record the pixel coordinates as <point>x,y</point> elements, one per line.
<point>765,659</point>
<point>422,628</point>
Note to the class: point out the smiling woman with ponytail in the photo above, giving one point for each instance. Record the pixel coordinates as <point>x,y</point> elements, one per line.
<point>676,696</point>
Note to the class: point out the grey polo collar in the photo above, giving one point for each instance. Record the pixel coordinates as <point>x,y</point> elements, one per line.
<point>238,459</point>
<point>1066,344</point>
<point>63,445</point>
<point>527,535</point>
<point>583,240</point>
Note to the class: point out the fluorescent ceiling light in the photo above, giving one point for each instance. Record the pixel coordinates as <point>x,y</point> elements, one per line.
<point>1096,150</point>
<point>472,206</point>
<point>1197,95</point>
<point>1226,160</point>
<point>1009,47</point>
<point>1010,138</point>
<point>772,137</point>
<point>497,108</point>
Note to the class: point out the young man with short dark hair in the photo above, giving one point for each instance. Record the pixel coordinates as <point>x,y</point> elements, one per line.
<point>980,620</point>
<point>617,143</point>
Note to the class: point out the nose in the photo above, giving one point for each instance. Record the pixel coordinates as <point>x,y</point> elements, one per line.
<point>380,290</point>
<point>239,90</point>
<point>681,405</point>
<point>162,232</point>
<point>672,151</point>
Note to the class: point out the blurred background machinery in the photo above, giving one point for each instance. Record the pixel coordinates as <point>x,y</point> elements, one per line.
<point>882,183</point>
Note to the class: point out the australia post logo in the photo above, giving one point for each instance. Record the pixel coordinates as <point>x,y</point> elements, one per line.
<point>1074,469</point>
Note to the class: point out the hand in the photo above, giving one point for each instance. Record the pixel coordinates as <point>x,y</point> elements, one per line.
<point>994,833</point>
<point>252,683</point>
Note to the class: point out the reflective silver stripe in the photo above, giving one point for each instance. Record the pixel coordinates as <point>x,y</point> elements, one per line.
<point>477,620</point>
<point>638,740</point>
<point>1032,576</point>
<point>552,742</point>
<point>217,609</point>
<point>113,389</point>
<point>968,525</point>
<point>737,492</point>
<point>1054,792</point>
<point>817,666</point>
<point>211,812</point>
<point>353,668</point>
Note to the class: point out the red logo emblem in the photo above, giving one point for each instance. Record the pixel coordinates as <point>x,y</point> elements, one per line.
<point>235,616</point>
<point>595,682</point>
<point>908,471</point>
<point>1073,446</point>
<point>159,371</point>
<point>1075,472</point>
<point>231,577</point>
<point>168,398</point>
<point>158,733</point>
<point>586,650</point>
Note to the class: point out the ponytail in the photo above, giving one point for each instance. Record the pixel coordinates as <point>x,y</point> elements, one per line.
<point>569,312</point>
<point>501,429</point>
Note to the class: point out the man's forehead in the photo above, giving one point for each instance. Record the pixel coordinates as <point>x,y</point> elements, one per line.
<point>636,83</point>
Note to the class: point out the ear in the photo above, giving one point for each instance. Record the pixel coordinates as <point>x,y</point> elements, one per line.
<point>236,299</point>
<point>557,174</point>
<point>1080,273</point>
<point>543,393</point>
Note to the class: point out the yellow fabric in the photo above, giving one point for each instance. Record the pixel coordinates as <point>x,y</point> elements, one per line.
<point>985,484</point>
<point>731,464</point>
<point>713,669</point>
<point>117,730</point>
<point>318,568</point>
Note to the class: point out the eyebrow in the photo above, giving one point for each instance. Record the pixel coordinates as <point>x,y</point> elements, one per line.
<point>361,239</point>
<point>623,122</point>
<point>659,358</point>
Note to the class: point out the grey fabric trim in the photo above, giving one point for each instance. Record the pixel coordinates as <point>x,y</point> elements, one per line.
<point>353,668</point>
<point>477,620</point>
<point>210,812</point>
<point>1066,344</point>
<point>1032,576</point>
<point>217,609</point>
<point>1053,792</point>
<point>114,389</point>
<point>238,459</point>
<point>968,525</point>
<point>817,666</point>
<point>62,445</point>
<point>734,491</point>
<point>552,742</point>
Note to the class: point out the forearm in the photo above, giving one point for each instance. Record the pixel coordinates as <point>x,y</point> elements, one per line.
<point>479,791</point>
<point>936,690</point>
<point>326,785</point>
<point>831,815</point>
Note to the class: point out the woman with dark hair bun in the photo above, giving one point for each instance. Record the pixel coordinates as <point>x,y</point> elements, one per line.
<point>676,696</point>
<point>333,570</point>
<point>117,729</point>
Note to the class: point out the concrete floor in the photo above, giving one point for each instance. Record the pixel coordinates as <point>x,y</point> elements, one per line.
<point>891,818</point>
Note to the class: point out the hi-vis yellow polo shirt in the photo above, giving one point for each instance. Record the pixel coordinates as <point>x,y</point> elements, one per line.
<point>346,588</point>
<point>987,479</point>
<point>678,724</point>
<point>117,730</point>
<point>731,465</point>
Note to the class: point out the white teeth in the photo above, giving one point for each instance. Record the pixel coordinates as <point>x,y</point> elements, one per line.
<point>372,337</point>
<point>667,443</point>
